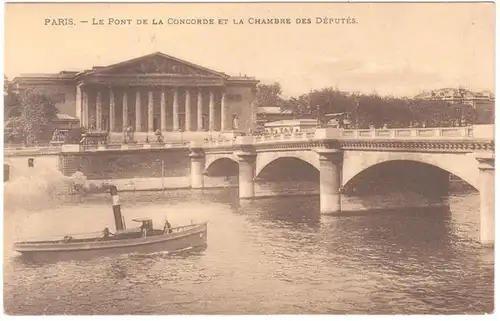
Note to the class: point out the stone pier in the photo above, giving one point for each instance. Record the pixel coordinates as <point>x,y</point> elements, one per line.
<point>246,162</point>
<point>487,197</point>
<point>197,159</point>
<point>330,163</point>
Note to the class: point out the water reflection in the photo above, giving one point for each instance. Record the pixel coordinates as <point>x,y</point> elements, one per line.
<point>265,256</point>
<point>284,211</point>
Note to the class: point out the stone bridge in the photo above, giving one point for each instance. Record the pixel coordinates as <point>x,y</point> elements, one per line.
<point>341,156</point>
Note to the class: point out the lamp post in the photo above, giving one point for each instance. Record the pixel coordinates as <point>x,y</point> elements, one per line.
<point>318,122</point>
<point>162,173</point>
<point>356,110</point>
<point>461,92</point>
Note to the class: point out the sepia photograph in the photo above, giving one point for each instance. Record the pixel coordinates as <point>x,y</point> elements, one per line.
<point>249,158</point>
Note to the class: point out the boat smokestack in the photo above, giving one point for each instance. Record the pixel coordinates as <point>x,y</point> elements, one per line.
<point>117,212</point>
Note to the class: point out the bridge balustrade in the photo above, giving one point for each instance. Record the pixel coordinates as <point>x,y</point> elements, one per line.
<point>457,132</point>
<point>31,150</point>
<point>471,132</point>
<point>111,147</point>
<point>485,132</point>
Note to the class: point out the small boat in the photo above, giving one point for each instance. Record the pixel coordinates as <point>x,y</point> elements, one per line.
<point>145,239</point>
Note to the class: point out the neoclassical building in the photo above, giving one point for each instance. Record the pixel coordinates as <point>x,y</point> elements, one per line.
<point>483,101</point>
<point>153,92</point>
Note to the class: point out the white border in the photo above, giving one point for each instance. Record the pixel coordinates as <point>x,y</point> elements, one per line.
<point>280,317</point>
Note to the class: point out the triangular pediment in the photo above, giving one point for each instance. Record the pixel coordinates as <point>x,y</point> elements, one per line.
<point>156,63</point>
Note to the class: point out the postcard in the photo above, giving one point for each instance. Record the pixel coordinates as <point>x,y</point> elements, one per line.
<point>249,158</point>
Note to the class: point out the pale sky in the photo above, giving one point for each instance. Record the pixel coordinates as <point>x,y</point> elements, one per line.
<point>398,49</point>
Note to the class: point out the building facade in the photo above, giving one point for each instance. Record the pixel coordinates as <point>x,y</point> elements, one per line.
<point>457,95</point>
<point>290,126</point>
<point>483,101</point>
<point>152,93</point>
<point>266,114</point>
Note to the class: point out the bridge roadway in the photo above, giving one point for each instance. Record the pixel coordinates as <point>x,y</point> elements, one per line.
<point>342,154</point>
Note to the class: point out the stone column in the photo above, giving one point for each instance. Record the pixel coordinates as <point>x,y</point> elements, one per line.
<point>98,111</point>
<point>150,111</point>
<point>197,158</point>
<point>111,110</point>
<point>211,111</point>
<point>79,104</point>
<point>85,101</point>
<point>86,107</point>
<point>223,112</point>
<point>246,161</point>
<point>199,111</point>
<point>330,168</point>
<point>187,108</point>
<point>176,109</point>
<point>125,111</point>
<point>163,111</point>
<point>138,111</point>
<point>487,198</point>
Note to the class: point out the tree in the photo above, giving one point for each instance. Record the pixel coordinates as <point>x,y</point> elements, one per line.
<point>364,110</point>
<point>371,111</point>
<point>33,113</point>
<point>318,103</point>
<point>467,114</point>
<point>379,111</point>
<point>299,106</point>
<point>361,110</point>
<point>10,100</point>
<point>12,130</point>
<point>397,113</point>
<point>329,101</point>
<point>268,95</point>
<point>432,113</point>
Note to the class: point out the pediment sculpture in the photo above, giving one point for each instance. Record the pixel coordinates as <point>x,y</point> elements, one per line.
<point>159,65</point>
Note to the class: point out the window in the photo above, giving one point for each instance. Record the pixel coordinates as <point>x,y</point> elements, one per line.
<point>31,162</point>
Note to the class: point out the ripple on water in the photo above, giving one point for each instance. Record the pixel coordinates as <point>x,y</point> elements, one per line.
<point>264,256</point>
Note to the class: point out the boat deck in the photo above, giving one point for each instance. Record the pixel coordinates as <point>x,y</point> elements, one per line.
<point>129,234</point>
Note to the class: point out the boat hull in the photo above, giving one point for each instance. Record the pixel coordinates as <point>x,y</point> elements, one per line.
<point>192,238</point>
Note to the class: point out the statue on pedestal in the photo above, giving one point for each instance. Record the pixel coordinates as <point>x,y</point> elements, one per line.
<point>54,135</point>
<point>128,134</point>
<point>93,123</point>
<point>159,136</point>
<point>235,122</point>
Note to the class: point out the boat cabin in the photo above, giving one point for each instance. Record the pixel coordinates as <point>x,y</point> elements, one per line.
<point>147,226</point>
<point>147,223</point>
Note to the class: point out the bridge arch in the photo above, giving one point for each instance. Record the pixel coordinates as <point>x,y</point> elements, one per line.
<point>463,166</point>
<point>264,159</point>
<point>289,169</point>
<point>221,165</point>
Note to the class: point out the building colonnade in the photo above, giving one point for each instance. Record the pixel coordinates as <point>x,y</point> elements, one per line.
<point>148,109</point>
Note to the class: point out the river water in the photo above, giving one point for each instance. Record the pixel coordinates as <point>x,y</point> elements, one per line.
<point>264,256</point>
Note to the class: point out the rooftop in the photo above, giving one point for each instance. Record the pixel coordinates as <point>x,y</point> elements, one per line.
<point>272,110</point>
<point>65,117</point>
<point>157,59</point>
<point>455,93</point>
<point>292,122</point>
